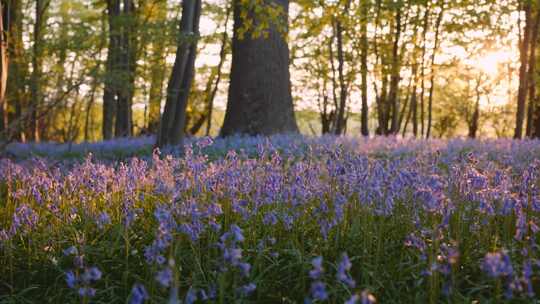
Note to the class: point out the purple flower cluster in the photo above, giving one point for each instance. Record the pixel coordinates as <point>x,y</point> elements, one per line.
<point>82,278</point>
<point>435,208</point>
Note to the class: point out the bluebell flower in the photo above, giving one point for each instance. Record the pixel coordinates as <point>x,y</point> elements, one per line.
<point>71,251</point>
<point>497,264</point>
<point>342,273</point>
<point>71,279</point>
<point>91,274</point>
<point>87,292</point>
<point>318,269</point>
<point>138,294</point>
<point>191,296</point>
<point>237,233</point>
<point>164,277</point>
<point>353,299</point>
<point>247,289</point>
<point>318,291</point>
<point>244,268</point>
<point>103,219</point>
<point>79,261</point>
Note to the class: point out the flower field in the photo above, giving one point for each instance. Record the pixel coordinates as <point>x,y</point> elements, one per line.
<point>286,219</point>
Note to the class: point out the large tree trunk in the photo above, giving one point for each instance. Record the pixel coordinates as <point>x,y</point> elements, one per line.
<point>364,67</point>
<point>260,100</point>
<point>173,120</point>
<point>522,91</point>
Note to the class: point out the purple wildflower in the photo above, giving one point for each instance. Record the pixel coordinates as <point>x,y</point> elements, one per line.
<point>343,268</point>
<point>164,277</point>
<point>497,264</point>
<point>138,294</point>
<point>71,279</point>
<point>247,289</point>
<point>317,270</point>
<point>318,291</point>
<point>191,296</point>
<point>87,292</point>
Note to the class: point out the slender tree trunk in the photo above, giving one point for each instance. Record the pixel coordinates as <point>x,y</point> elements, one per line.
<point>222,57</point>
<point>408,97</point>
<point>4,65</point>
<point>395,77</point>
<point>111,70</point>
<point>332,114</point>
<point>364,67</point>
<point>414,109</point>
<point>324,100</point>
<point>432,69</point>
<point>260,100</point>
<point>173,120</point>
<point>157,74</point>
<point>532,74</point>
<point>88,111</point>
<point>198,124</point>
<point>423,70</point>
<point>127,59</point>
<point>522,91</point>
<point>16,96</point>
<point>340,117</point>
<point>382,107</point>
<point>473,125</point>
<point>36,94</point>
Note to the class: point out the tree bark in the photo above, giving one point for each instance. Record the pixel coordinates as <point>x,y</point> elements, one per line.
<point>36,93</point>
<point>4,64</point>
<point>395,77</point>
<point>109,90</point>
<point>173,120</point>
<point>222,57</point>
<point>473,124</point>
<point>157,75</point>
<point>522,90</point>
<point>364,67</point>
<point>16,95</point>
<point>340,117</point>
<point>432,68</point>
<point>260,100</point>
<point>120,71</point>
<point>128,48</point>
<point>532,74</point>
<point>423,71</point>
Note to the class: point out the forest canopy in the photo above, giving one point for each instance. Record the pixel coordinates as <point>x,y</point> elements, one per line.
<point>87,70</point>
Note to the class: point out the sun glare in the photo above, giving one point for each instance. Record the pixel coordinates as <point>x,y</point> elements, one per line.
<point>491,62</point>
